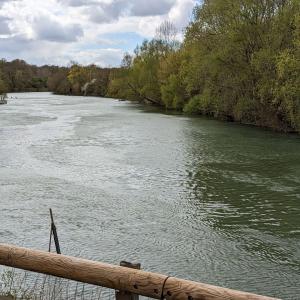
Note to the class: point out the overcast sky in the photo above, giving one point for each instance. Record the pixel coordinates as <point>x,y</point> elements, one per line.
<point>86,31</point>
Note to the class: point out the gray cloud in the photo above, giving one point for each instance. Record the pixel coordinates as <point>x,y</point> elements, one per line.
<point>13,44</point>
<point>51,30</point>
<point>77,3</point>
<point>101,12</point>
<point>4,29</point>
<point>45,52</point>
<point>31,50</point>
<point>106,12</point>
<point>2,2</point>
<point>40,32</point>
<point>6,1</point>
<point>151,8</point>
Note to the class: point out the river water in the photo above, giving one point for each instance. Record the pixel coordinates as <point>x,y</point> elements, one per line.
<point>191,197</point>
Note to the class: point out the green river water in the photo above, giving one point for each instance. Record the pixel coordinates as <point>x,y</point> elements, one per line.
<point>191,197</point>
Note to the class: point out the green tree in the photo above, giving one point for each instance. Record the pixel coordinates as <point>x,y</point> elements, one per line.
<point>3,87</point>
<point>234,47</point>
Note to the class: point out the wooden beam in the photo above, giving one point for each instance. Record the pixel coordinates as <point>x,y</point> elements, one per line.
<point>147,284</point>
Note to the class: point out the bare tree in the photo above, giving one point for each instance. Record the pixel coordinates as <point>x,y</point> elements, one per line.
<point>126,61</point>
<point>167,32</point>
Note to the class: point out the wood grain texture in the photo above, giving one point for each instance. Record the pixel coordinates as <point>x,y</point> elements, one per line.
<point>189,290</point>
<point>116,277</point>
<point>101,274</point>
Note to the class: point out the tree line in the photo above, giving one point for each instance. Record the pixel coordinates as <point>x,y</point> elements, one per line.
<point>18,76</point>
<point>239,61</point>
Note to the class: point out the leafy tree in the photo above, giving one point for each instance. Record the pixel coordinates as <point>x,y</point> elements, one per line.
<point>58,82</point>
<point>139,77</point>
<point>239,61</point>
<point>3,88</point>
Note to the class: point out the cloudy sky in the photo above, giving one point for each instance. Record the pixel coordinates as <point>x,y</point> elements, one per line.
<point>86,31</point>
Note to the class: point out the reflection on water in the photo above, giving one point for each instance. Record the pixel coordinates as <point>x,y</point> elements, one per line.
<point>190,197</point>
<point>247,184</point>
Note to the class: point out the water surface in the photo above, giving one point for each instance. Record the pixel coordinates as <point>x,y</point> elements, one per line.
<point>190,197</point>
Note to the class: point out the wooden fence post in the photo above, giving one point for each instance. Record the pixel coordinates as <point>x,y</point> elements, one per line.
<point>124,295</point>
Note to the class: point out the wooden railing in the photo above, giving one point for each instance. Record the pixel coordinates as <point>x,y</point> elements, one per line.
<point>136,281</point>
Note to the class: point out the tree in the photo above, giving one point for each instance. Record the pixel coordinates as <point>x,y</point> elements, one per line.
<point>3,88</point>
<point>58,82</point>
<point>167,33</point>
<point>239,61</point>
<point>234,48</point>
<point>126,61</point>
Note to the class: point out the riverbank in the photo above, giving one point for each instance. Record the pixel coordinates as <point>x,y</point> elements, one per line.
<point>276,127</point>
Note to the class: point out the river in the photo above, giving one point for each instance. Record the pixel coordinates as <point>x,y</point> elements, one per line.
<point>191,197</point>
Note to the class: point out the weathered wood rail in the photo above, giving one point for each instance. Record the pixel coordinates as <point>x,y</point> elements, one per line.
<point>139,282</point>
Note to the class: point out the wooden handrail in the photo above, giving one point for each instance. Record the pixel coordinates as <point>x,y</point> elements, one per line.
<point>116,277</point>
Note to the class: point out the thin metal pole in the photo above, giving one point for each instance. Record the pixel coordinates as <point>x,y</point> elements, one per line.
<point>55,236</point>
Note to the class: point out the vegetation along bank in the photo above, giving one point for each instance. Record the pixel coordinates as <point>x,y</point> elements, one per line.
<point>239,60</point>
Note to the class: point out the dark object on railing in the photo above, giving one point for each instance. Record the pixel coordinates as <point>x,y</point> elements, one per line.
<point>125,295</point>
<point>139,282</point>
<point>53,232</point>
